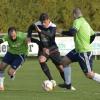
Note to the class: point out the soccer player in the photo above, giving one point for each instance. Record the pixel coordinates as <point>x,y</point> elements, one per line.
<point>83,37</point>
<point>46,33</point>
<point>15,55</point>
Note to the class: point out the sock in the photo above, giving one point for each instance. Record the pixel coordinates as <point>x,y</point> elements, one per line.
<point>1,78</point>
<point>62,75</point>
<point>67,74</point>
<point>46,70</point>
<point>96,77</point>
<point>12,77</point>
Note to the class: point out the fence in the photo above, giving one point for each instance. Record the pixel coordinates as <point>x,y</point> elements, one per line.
<point>65,44</point>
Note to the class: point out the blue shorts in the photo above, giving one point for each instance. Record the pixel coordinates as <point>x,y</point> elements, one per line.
<point>85,60</point>
<point>14,60</point>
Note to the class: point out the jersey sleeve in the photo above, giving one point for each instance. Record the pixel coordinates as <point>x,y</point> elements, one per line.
<point>30,30</point>
<point>76,24</point>
<point>5,38</point>
<point>23,35</point>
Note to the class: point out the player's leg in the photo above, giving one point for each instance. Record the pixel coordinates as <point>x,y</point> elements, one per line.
<point>86,62</point>
<point>67,72</point>
<point>56,59</point>
<point>61,71</point>
<point>2,68</point>
<point>11,72</point>
<point>6,61</point>
<point>45,69</point>
<point>69,58</point>
<point>15,65</point>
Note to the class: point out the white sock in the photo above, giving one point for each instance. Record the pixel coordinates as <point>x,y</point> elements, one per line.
<point>1,78</point>
<point>1,81</point>
<point>96,77</point>
<point>67,74</point>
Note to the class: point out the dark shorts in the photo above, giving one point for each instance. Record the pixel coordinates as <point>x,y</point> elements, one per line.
<point>14,60</point>
<point>55,57</point>
<point>85,60</point>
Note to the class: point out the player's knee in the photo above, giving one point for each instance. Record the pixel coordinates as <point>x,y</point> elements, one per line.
<point>65,61</point>
<point>1,67</point>
<point>42,59</point>
<point>60,68</point>
<point>11,72</point>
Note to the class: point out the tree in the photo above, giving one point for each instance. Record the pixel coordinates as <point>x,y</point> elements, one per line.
<point>21,13</point>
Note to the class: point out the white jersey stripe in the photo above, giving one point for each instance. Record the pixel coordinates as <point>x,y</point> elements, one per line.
<point>90,55</point>
<point>87,62</point>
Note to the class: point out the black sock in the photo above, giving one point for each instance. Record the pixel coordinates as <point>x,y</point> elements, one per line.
<point>11,77</point>
<point>62,75</point>
<point>46,70</point>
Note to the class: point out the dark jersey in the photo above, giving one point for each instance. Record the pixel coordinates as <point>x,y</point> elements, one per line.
<point>37,42</point>
<point>47,35</point>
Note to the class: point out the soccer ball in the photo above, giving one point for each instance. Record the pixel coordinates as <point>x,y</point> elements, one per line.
<point>47,85</point>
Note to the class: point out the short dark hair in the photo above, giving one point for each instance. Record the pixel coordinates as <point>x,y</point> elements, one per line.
<point>43,17</point>
<point>78,12</point>
<point>11,29</point>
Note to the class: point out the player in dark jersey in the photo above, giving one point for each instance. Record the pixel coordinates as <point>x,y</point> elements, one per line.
<point>46,32</point>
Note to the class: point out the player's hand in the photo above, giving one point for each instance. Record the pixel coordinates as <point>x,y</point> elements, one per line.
<point>28,40</point>
<point>46,50</point>
<point>37,28</point>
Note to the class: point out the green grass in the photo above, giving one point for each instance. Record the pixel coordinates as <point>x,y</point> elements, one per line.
<point>27,84</point>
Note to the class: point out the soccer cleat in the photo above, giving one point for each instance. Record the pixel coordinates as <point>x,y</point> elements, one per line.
<point>68,87</point>
<point>73,88</point>
<point>62,85</point>
<point>54,83</point>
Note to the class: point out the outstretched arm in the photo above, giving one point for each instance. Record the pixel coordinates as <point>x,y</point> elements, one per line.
<point>30,29</point>
<point>71,32</point>
<point>37,42</point>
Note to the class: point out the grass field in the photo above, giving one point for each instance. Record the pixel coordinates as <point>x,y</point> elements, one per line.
<point>27,84</point>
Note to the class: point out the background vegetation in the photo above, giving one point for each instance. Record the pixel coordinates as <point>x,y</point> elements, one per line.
<point>21,13</point>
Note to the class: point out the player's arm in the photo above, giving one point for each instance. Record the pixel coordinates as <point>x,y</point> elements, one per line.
<point>93,35</point>
<point>70,32</point>
<point>51,33</point>
<point>3,39</point>
<point>30,30</point>
<point>36,41</point>
<point>75,28</point>
<point>92,38</point>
